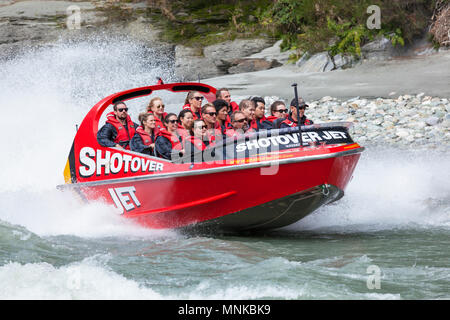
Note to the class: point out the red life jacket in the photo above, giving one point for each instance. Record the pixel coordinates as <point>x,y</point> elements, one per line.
<point>253,125</point>
<point>271,118</point>
<point>158,122</point>
<point>123,135</point>
<point>234,133</point>
<point>182,132</point>
<point>146,138</point>
<point>174,140</point>
<point>196,142</point>
<point>234,106</point>
<point>226,127</point>
<point>188,107</point>
<point>291,123</point>
<point>308,122</point>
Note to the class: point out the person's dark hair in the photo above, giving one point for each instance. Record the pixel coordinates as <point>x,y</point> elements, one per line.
<point>219,92</point>
<point>258,99</point>
<point>166,119</point>
<point>273,106</point>
<point>118,103</point>
<point>182,114</point>
<point>219,104</point>
<point>301,103</point>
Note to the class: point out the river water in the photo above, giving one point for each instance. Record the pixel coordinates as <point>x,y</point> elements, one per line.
<point>388,238</point>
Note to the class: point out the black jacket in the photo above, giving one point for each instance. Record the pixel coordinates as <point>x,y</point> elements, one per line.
<point>163,148</point>
<point>136,144</point>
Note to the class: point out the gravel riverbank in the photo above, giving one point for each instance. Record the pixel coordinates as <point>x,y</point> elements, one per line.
<point>406,121</point>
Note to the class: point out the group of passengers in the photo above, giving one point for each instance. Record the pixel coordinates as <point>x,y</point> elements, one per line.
<point>196,127</point>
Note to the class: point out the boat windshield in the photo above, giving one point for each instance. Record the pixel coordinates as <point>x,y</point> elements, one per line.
<point>272,141</point>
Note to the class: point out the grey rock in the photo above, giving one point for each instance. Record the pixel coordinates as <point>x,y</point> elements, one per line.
<point>343,61</point>
<point>302,59</point>
<point>432,121</point>
<point>380,49</point>
<point>238,48</point>
<point>251,65</point>
<point>320,62</point>
<point>274,53</point>
<point>190,64</point>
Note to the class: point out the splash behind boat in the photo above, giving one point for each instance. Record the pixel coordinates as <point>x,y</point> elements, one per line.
<point>261,180</point>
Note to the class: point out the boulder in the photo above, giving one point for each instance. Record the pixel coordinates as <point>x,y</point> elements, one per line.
<point>221,59</point>
<point>190,64</point>
<point>235,49</point>
<point>274,53</point>
<point>320,62</point>
<point>341,61</point>
<point>380,49</point>
<point>251,65</point>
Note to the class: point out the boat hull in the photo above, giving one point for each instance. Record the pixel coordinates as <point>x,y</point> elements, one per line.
<point>249,197</point>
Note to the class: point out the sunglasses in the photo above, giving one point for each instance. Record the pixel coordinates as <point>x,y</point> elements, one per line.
<point>160,107</point>
<point>172,121</point>
<point>212,114</point>
<point>122,109</point>
<point>282,110</point>
<point>199,98</point>
<point>240,120</point>
<point>201,127</point>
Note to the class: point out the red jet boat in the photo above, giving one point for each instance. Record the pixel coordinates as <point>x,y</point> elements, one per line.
<point>257,181</point>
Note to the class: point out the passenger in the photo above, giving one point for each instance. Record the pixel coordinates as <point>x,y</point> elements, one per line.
<point>144,139</point>
<point>168,145</point>
<point>156,106</point>
<point>198,141</point>
<point>193,102</point>
<point>261,121</point>
<point>278,112</point>
<point>223,119</point>
<point>291,120</point>
<point>209,115</point>
<point>118,129</point>
<point>248,108</point>
<point>185,123</point>
<point>224,94</point>
<point>239,124</point>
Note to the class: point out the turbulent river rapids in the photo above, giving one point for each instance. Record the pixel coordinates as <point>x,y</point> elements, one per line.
<point>394,217</point>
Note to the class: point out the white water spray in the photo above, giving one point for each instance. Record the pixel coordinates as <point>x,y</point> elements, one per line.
<point>45,92</point>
